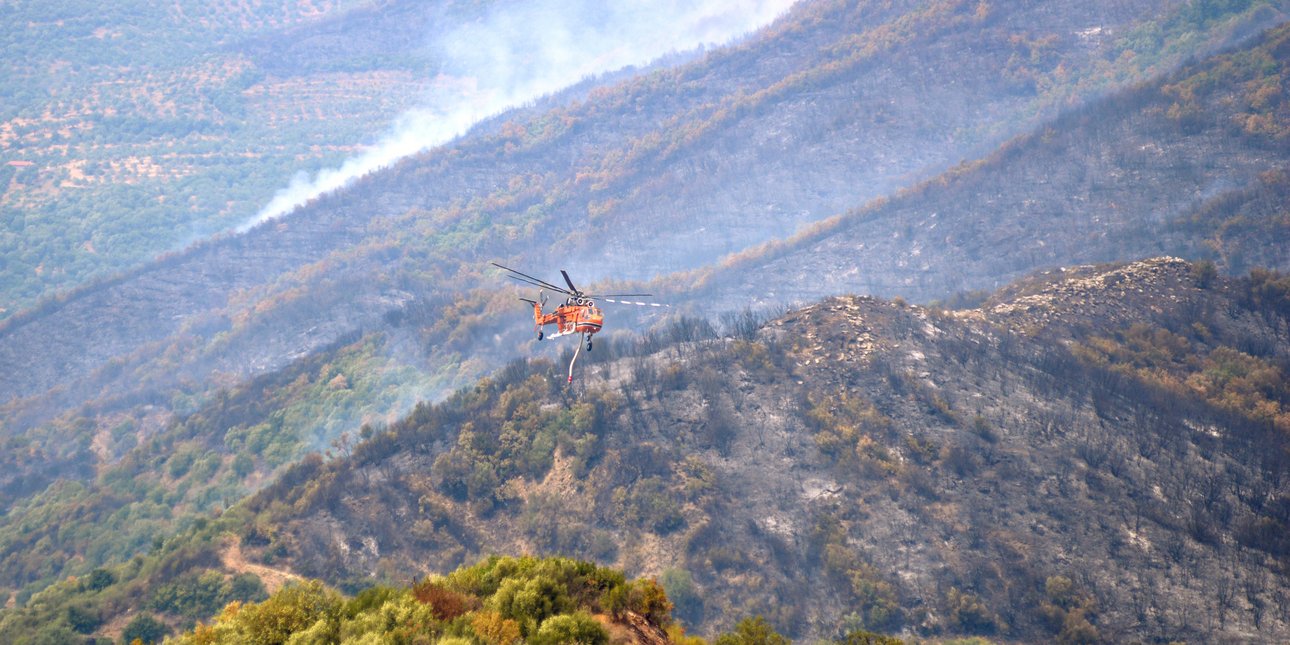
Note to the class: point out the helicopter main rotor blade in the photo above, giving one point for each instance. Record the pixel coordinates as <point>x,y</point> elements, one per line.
<point>638,304</point>
<point>528,281</point>
<point>531,280</point>
<point>539,285</point>
<point>569,282</point>
<point>573,291</point>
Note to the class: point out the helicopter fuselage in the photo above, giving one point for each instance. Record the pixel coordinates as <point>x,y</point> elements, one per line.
<point>570,318</point>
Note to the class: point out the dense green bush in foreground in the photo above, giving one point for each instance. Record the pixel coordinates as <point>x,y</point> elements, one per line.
<point>498,601</point>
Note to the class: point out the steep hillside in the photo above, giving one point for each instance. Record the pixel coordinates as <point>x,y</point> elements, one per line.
<point>1098,453</point>
<point>1196,164</point>
<point>100,385</point>
<point>500,600</point>
<point>1104,451</point>
<point>662,159</point>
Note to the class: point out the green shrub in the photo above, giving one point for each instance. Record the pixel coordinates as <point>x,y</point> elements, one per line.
<point>862,637</point>
<point>100,579</point>
<point>246,587</point>
<point>193,595</point>
<point>578,628</point>
<point>180,462</point>
<point>752,631</point>
<point>83,619</point>
<point>969,614</point>
<point>687,604</point>
<point>292,609</point>
<point>145,628</point>
<point>531,601</point>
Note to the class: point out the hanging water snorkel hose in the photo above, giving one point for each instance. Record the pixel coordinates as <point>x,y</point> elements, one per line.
<point>574,360</point>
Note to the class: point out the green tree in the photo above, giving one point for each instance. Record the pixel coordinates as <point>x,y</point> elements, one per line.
<point>194,595</point>
<point>83,619</point>
<point>687,604</point>
<point>179,464</point>
<point>246,587</point>
<point>401,619</point>
<point>1077,630</point>
<point>494,629</point>
<point>862,637</point>
<point>648,598</point>
<point>53,634</point>
<point>1204,272</point>
<point>967,612</point>
<point>145,628</point>
<point>99,579</point>
<point>578,628</point>
<point>752,631</point>
<point>292,609</point>
<point>243,464</point>
<point>531,601</point>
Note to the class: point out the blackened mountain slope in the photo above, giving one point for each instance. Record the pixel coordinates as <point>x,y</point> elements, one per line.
<point>1194,164</point>
<point>1074,459</point>
<point>755,140</point>
<point>402,251</point>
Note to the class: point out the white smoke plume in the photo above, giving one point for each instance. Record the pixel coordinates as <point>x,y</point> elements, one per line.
<point>526,50</point>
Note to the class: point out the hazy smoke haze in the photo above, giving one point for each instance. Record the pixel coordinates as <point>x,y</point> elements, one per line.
<point>522,52</point>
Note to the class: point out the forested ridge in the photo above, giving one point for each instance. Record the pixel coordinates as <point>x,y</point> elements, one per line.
<point>236,308</point>
<point>821,156</point>
<point>425,225</point>
<point>1096,454</point>
<point>745,482</point>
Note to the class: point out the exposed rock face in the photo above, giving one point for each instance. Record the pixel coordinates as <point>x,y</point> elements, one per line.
<point>635,629</point>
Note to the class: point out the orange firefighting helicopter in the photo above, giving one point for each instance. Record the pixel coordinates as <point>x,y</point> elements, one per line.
<point>579,313</point>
